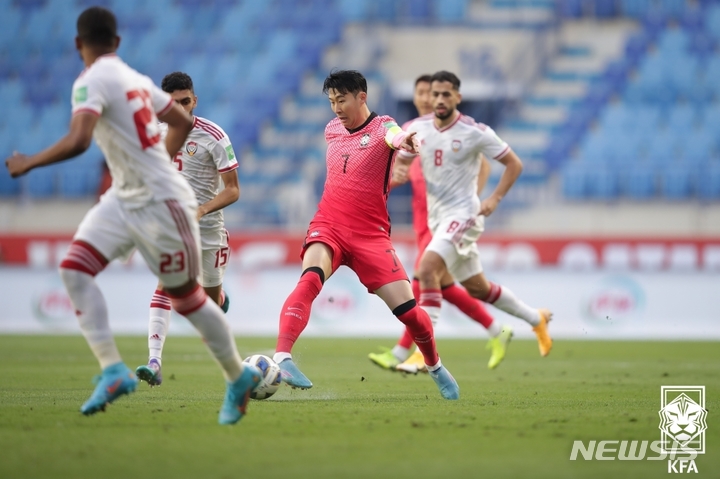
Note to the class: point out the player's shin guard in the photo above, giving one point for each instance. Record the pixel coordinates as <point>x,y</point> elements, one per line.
<point>505,300</point>
<point>472,307</point>
<point>418,323</point>
<point>209,320</point>
<point>77,271</point>
<point>295,313</point>
<point>160,310</point>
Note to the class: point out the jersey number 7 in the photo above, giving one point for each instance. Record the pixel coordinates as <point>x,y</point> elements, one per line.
<point>143,118</point>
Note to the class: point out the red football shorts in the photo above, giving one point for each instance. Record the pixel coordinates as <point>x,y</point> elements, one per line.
<point>370,255</point>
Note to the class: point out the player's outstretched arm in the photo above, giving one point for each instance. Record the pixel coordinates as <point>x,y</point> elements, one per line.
<point>513,168</point>
<point>180,123</point>
<point>227,196</point>
<point>71,145</point>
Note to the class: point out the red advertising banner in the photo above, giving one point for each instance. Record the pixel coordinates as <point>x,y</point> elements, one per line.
<point>497,252</point>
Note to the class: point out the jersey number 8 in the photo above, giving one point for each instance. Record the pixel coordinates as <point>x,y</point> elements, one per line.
<point>438,157</point>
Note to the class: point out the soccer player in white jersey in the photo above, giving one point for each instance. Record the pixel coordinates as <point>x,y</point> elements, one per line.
<point>450,144</point>
<point>206,158</point>
<point>150,207</point>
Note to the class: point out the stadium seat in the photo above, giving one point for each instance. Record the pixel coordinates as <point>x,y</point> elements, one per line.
<point>450,11</point>
<point>40,183</point>
<point>640,182</point>
<point>709,182</point>
<point>677,182</point>
<point>574,181</point>
<point>602,183</point>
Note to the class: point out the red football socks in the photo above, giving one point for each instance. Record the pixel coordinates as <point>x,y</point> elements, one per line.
<point>472,307</point>
<point>295,313</point>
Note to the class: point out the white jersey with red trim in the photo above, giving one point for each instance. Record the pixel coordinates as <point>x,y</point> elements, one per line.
<point>451,163</point>
<point>206,154</point>
<point>127,104</point>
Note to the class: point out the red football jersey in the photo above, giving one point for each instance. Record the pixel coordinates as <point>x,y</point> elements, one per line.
<point>359,163</point>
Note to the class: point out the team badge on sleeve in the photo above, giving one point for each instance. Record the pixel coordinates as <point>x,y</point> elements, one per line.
<point>80,94</point>
<point>230,152</point>
<point>191,148</point>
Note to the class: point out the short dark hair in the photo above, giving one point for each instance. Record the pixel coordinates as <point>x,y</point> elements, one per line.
<point>345,81</point>
<point>443,75</point>
<point>97,26</point>
<point>423,79</point>
<point>177,81</point>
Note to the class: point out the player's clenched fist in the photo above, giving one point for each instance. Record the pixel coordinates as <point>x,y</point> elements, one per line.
<point>17,164</point>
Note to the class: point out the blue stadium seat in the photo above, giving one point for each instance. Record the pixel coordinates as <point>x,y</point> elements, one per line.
<point>635,8</point>
<point>712,22</point>
<point>677,182</point>
<point>674,40</point>
<point>450,11</point>
<point>602,183</point>
<point>682,117</point>
<point>709,182</point>
<point>640,182</point>
<point>40,183</point>
<point>574,183</point>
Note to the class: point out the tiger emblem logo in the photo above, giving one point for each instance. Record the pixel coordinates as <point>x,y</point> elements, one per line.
<point>683,420</point>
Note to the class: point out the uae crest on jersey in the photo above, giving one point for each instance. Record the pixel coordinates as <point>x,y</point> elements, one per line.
<point>456,145</point>
<point>191,148</point>
<point>365,140</point>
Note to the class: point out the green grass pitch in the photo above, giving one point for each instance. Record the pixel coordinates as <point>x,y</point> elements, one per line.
<point>518,421</point>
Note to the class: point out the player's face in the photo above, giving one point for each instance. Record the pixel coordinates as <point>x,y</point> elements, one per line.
<point>347,107</point>
<point>186,99</point>
<point>444,99</point>
<point>421,98</point>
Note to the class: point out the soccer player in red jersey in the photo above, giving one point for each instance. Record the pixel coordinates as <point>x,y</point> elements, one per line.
<point>352,227</point>
<point>399,358</point>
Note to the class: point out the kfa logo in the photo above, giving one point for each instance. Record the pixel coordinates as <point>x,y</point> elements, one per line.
<point>365,140</point>
<point>683,422</point>
<point>191,148</point>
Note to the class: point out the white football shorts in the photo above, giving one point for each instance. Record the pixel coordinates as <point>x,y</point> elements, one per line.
<point>215,256</point>
<point>165,233</point>
<point>455,240</point>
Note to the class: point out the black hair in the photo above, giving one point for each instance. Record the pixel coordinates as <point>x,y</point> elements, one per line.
<point>97,26</point>
<point>443,75</point>
<point>177,81</point>
<point>345,81</point>
<point>423,79</point>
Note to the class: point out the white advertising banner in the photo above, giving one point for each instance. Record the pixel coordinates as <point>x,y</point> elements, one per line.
<point>589,305</point>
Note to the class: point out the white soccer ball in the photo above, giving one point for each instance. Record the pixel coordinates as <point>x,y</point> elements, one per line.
<point>271,376</point>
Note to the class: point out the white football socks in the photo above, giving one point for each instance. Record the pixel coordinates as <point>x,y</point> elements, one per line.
<point>400,353</point>
<point>157,331</point>
<point>91,311</point>
<point>210,321</point>
<point>508,302</point>
<point>495,329</point>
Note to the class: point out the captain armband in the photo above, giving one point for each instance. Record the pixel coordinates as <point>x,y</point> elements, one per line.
<point>395,135</point>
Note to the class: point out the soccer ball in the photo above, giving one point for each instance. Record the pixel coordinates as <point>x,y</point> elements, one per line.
<point>271,376</point>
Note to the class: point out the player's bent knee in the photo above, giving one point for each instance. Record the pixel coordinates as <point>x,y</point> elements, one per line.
<point>404,308</point>
<point>477,289</point>
<point>187,302</point>
<point>83,257</point>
